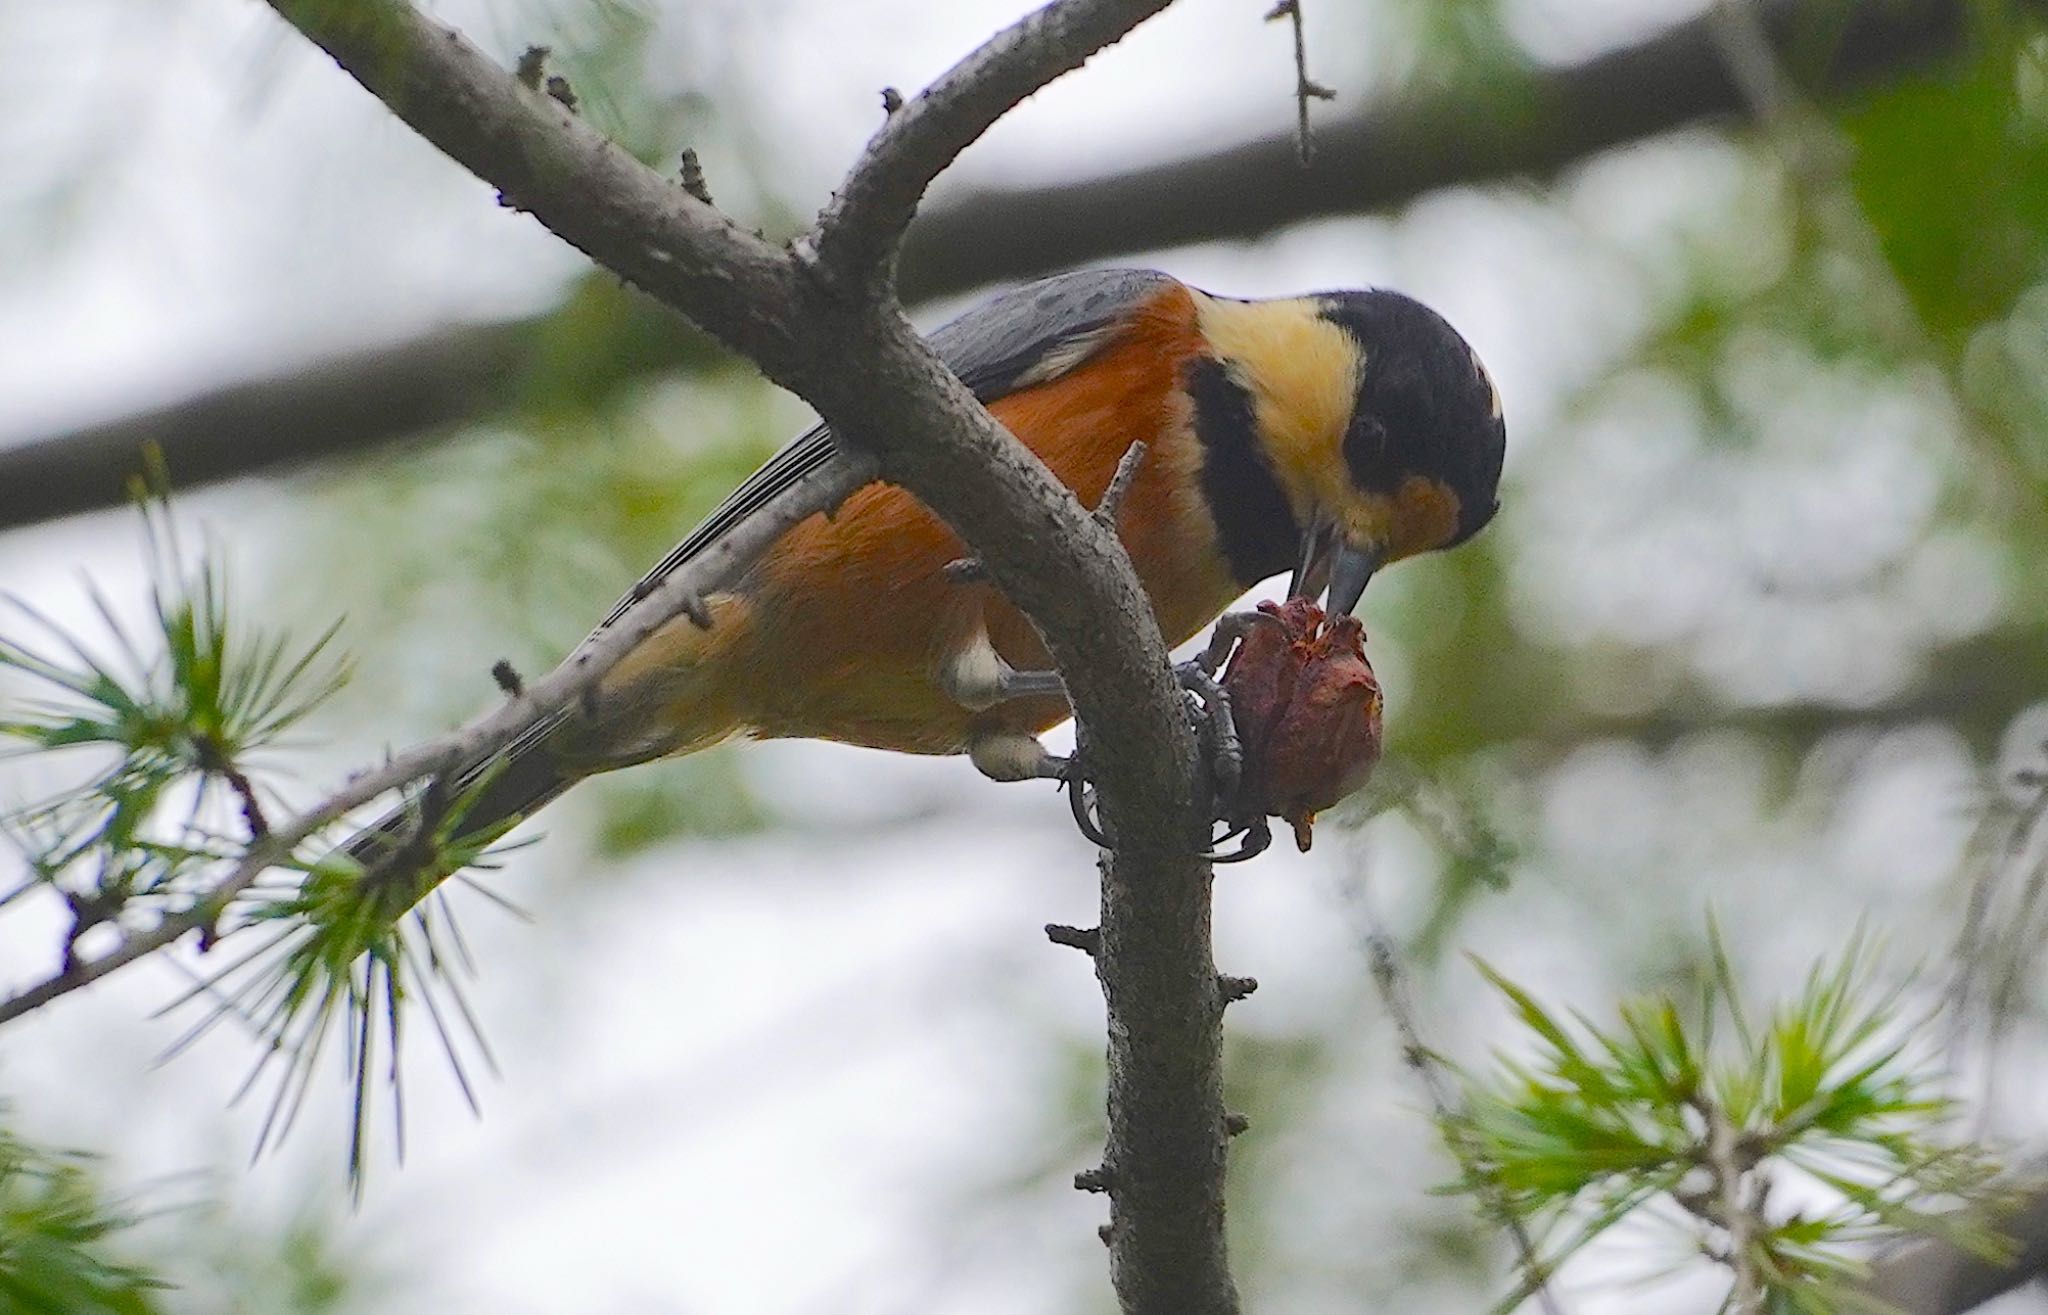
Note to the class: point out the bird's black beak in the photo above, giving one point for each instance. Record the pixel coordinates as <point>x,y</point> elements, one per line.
<point>1349,574</point>
<point>1312,570</point>
<point>1328,560</point>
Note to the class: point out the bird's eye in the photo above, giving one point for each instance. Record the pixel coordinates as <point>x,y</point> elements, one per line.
<point>1365,450</point>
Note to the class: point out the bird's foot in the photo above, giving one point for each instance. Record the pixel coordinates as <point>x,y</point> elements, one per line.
<point>1220,765</point>
<point>978,678</point>
<point>1230,628</point>
<point>1257,837</point>
<point>1222,747</point>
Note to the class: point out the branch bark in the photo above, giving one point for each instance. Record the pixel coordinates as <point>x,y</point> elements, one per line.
<point>822,319</point>
<point>1525,123</point>
<point>1933,1277</point>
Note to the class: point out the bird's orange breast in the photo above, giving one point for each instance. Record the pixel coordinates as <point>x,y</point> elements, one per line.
<point>849,618</point>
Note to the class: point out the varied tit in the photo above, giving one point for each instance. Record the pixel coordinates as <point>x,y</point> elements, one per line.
<point>1330,434</point>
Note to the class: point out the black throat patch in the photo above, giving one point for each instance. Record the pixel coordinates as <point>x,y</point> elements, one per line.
<point>1254,522</point>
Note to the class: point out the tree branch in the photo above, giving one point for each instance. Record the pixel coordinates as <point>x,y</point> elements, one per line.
<point>562,689</point>
<point>858,233</point>
<point>851,353</point>
<point>1936,1277</point>
<point>1523,122</point>
<point>1528,123</point>
<point>740,288</point>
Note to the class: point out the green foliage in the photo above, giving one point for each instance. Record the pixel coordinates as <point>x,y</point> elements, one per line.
<point>57,1231</point>
<point>351,944</point>
<point>180,712</point>
<point>292,1266</point>
<point>1951,168</point>
<point>70,1246</point>
<point>203,698</point>
<point>1722,1119</point>
<point>177,717</point>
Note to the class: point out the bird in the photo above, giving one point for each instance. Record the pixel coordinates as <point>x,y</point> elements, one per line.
<point>1328,435</point>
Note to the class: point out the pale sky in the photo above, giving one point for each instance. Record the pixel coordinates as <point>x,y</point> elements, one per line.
<point>780,1086</point>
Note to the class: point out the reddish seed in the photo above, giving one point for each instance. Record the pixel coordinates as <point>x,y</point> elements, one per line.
<point>1308,709</point>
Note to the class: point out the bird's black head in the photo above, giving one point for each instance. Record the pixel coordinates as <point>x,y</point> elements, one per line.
<point>1422,447</point>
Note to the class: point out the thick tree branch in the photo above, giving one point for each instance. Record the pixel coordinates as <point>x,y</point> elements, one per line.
<point>349,402</point>
<point>740,288</point>
<point>850,352</point>
<point>1933,1277</point>
<point>858,234</point>
<point>1527,123</point>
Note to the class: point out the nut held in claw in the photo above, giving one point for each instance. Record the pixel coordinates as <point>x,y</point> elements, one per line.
<point>1307,707</point>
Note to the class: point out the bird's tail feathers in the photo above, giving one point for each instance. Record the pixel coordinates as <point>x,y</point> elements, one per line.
<point>476,805</point>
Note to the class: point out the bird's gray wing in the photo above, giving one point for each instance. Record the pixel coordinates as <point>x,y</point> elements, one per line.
<point>1026,336</point>
<point>1038,332</point>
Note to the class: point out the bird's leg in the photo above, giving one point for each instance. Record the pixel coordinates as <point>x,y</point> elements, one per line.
<point>976,677</point>
<point>1015,756</point>
<point>1081,795</point>
<point>1222,753</point>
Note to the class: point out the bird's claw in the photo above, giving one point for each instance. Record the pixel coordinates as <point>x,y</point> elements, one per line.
<point>1258,836</point>
<point>1221,755</point>
<point>1079,798</point>
<point>1222,751</point>
<point>1222,748</point>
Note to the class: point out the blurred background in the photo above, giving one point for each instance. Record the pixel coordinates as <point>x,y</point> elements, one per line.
<point>1758,630</point>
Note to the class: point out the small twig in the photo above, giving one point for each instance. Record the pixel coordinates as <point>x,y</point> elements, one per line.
<point>560,90</point>
<point>87,912</point>
<point>1735,1215</point>
<point>892,100</point>
<point>507,677</point>
<point>1422,1061</point>
<point>1088,940</point>
<point>1234,989</point>
<point>1098,1179</point>
<point>214,759</point>
<point>245,791</point>
<point>1111,507</point>
<point>693,177</point>
<point>532,61</point>
<point>1305,87</point>
<point>558,691</point>
<point>859,233</point>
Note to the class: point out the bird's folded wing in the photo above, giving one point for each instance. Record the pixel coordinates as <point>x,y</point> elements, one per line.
<point>1027,336</point>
